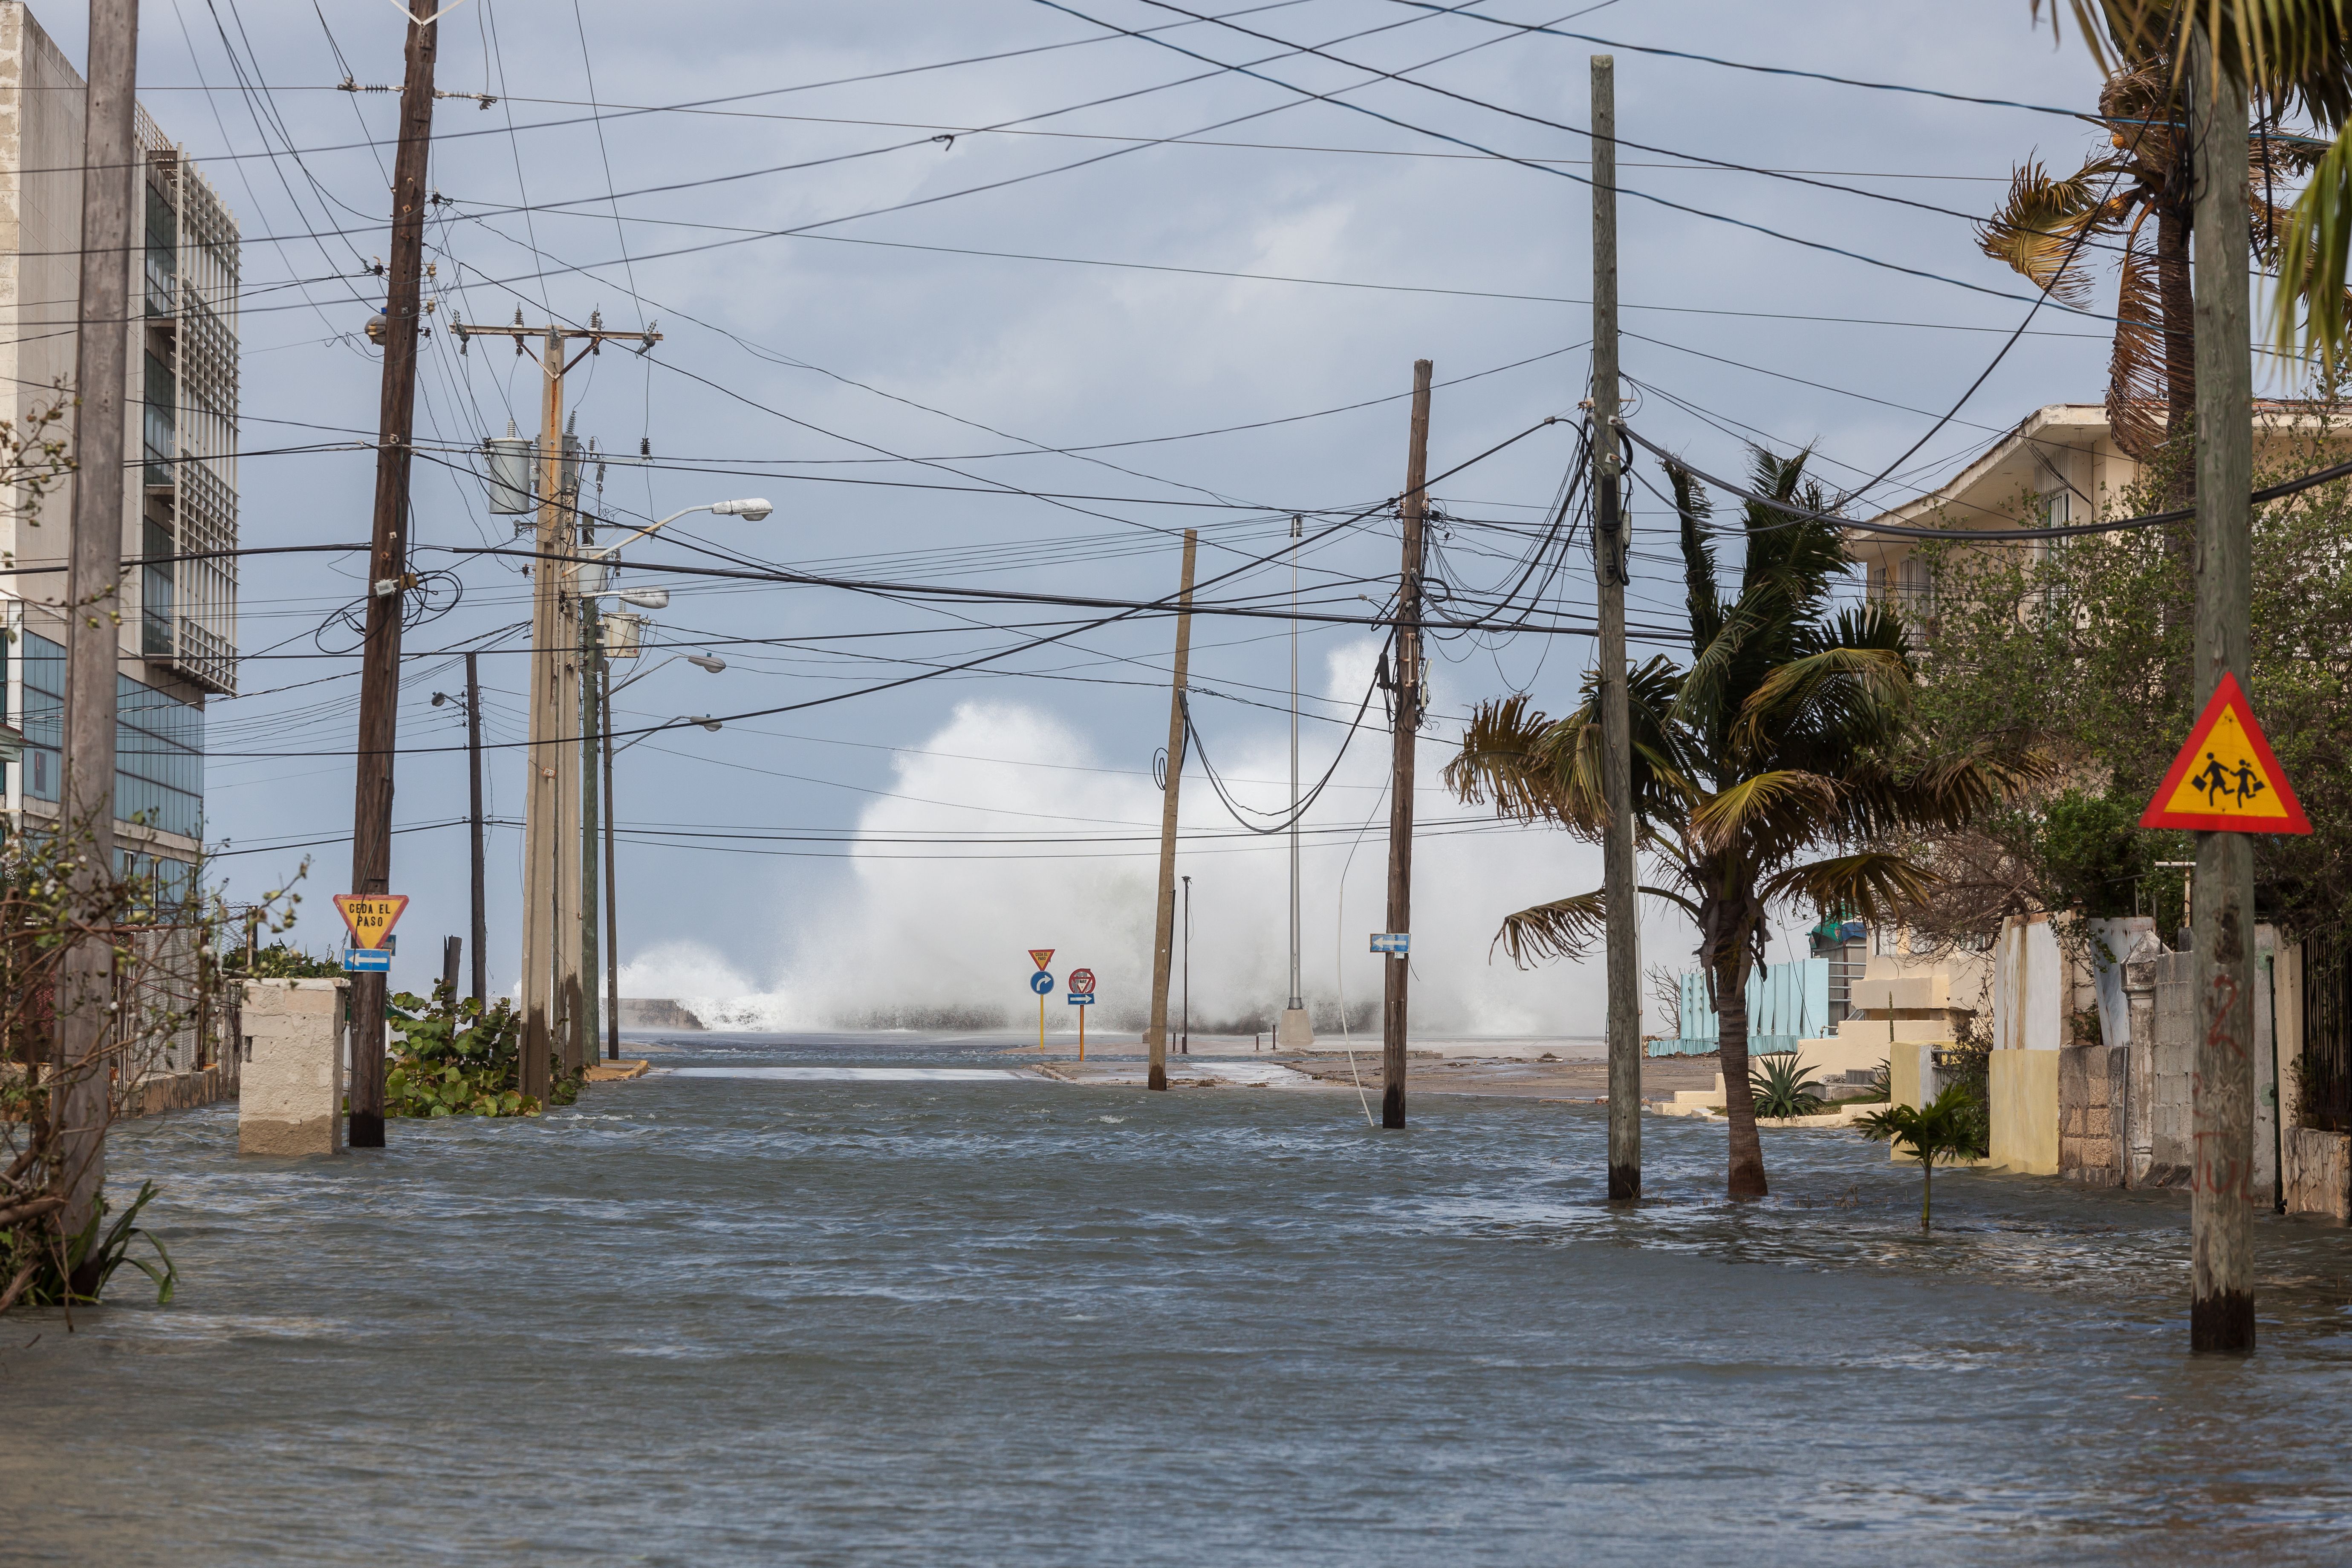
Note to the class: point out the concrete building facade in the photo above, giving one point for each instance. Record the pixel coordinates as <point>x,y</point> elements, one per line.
<point>177,640</point>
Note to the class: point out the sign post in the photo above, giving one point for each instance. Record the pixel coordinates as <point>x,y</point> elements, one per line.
<point>370,917</point>
<point>1082,996</point>
<point>1041,984</point>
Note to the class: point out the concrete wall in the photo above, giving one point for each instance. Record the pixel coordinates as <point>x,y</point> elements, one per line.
<point>2023,1088</point>
<point>291,1094</point>
<point>2091,1081</point>
<point>2318,1172</point>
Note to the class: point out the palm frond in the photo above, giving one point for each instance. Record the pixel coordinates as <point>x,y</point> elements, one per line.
<point>1751,804</point>
<point>2038,230</point>
<point>1837,690</point>
<point>1875,885</point>
<point>1694,507</point>
<point>2310,311</point>
<point>2135,384</point>
<point>1564,928</point>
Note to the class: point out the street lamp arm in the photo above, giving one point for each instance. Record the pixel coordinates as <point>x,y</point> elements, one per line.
<point>600,553</point>
<point>755,510</point>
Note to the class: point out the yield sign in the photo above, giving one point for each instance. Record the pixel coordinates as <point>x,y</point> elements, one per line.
<point>370,916</point>
<point>2225,779</point>
<point>1041,956</point>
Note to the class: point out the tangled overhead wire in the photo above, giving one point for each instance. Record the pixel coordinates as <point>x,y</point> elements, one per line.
<point>426,597</point>
<point>1282,820</point>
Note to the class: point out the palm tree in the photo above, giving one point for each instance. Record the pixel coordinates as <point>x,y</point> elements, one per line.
<point>2053,230</point>
<point>1763,770</point>
<point>2286,53</point>
<point>1943,1129</point>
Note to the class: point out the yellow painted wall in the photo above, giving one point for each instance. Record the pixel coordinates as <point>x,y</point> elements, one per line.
<point>2024,1086</point>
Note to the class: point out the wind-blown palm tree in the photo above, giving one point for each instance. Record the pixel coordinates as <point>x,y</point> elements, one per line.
<point>1763,770</point>
<point>2057,231</point>
<point>2288,53</point>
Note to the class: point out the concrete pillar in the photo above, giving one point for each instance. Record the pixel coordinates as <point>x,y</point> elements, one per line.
<point>291,1094</point>
<point>2139,1073</point>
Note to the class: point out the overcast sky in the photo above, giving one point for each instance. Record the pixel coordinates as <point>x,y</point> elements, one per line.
<point>955,301</point>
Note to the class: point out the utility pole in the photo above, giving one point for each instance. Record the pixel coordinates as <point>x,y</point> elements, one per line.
<point>110,172</point>
<point>591,659</point>
<point>1163,941</point>
<point>550,974</point>
<point>481,925</point>
<point>612,875</point>
<point>1404,734</point>
<point>2221,1219</point>
<point>1297,1031</point>
<point>1187,1034</point>
<point>388,576</point>
<point>1621,910</point>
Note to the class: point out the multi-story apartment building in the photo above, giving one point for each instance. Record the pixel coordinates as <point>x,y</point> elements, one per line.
<point>178,621</point>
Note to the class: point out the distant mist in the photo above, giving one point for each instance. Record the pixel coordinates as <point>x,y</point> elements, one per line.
<point>937,940</point>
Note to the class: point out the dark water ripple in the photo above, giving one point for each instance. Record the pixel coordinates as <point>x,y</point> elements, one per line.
<point>712,1320</point>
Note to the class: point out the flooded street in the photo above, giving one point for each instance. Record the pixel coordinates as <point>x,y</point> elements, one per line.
<point>721,1318</point>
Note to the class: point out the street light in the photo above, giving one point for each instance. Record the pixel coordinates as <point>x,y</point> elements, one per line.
<point>754,509</point>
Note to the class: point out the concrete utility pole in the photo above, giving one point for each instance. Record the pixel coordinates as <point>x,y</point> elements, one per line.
<point>1296,1032</point>
<point>551,952</point>
<point>480,928</point>
<point>1623,911</point>
<point>111,174</point>
<point>1163,941</point>
<point>388,575</point>
<point>2221,1259</point>
<point>1405,735</point>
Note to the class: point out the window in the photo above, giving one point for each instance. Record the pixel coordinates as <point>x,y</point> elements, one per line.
<point>163,254</point>
<point>155,607</point>
<point>159,744</point>
<point>161,426</point>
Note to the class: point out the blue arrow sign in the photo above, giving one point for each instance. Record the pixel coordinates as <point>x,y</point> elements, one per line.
<point>1392,941</point>
<point>1041,984</point>
<point>1077,999</point>
<point>367,960</point>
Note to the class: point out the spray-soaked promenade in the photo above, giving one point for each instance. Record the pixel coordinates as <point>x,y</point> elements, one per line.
<point>759,1318</point>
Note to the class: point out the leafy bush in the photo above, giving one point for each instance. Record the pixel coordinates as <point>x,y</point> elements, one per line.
<point>75,1274</point>
<point>279,961</point>
<point>456,1058</point>
<point>1783,1088</point>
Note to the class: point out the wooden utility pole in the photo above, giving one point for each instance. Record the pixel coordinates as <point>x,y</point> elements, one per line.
<point>2221,1261</point>
<point>550,974</point>
<point>481,927</point>
<point>611,877</point>
<point>1404,738</point>
<point>1163,944</point>
<point>1618,894</point>
<point>388,575</point>
<point>111,172</point>
<point>592,989</point>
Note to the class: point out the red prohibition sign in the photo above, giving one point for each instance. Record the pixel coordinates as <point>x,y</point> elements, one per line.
<point>1082,982</point>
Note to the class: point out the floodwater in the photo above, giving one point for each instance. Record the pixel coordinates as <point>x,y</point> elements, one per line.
<point>719,1319</point>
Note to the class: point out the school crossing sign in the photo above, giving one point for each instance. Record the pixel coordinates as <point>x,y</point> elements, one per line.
<point>2226,779</point>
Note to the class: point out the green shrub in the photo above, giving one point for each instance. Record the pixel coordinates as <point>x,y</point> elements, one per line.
<point>459,1058</point>
<point>1783,1088</point>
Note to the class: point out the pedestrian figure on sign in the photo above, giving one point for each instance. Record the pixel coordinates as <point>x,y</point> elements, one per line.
<point>2249,782</point>
<point>2214,780</point>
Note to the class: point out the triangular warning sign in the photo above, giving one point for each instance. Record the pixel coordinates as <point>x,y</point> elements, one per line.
<point>370,916</point>
<point>2225,779</point>
<point>1042,956</point>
